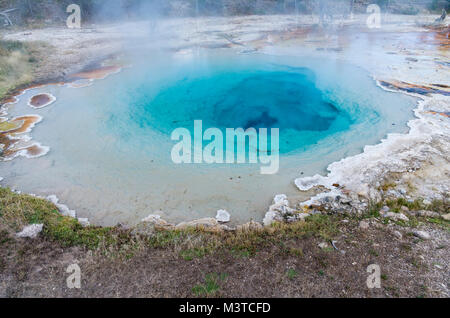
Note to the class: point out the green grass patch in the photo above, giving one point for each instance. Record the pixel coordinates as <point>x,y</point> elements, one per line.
<point>18,210</point>
<point>396,205</point>
<point>192,253</point>
<point>211,285</point>
<point>439,206</point>
<point>295,252</point>
<point>291,274</point>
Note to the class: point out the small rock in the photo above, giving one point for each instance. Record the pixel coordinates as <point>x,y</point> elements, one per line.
<point>426,202</point>
<point>269,218</point>
<point>223,216</point>
<point>300,217</point>
<point>250,226</point>
<point>422,234</point>
<point>206,223</point>
<point>84,222</point>
<point>385,209</point>
<point>393,193</point>
<point>157,221</point>
<point>404,209</point>
<point>144,228</point>
<point>323,245</point>
<point>226,228</point>
<point>31,231</point>
<point>429,214</point>
<point>152,218</point>
<point>281,199</point>
<point>396,216</point>
<point>398,235</point>
<point>446,217</point>
<point>363,225</point>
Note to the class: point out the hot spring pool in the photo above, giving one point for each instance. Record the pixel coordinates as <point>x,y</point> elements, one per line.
<point>110,156</point>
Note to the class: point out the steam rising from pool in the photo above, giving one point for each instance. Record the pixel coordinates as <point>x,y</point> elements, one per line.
<point>110,143</point>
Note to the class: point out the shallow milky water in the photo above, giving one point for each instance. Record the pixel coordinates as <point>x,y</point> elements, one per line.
<point>110,156</point>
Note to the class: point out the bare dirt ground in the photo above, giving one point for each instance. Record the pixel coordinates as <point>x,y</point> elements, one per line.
<point>410,267</point>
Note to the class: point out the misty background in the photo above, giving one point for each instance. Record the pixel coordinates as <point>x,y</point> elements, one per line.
<point>53,11</point>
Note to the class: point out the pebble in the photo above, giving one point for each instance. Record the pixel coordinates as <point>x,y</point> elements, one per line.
<point>396,216</point>
<point>252,225</point>
<point>398,235</point>
<point>84,222</point>
<point>429,214</point>
<point>363,225</point>
<point>223,216</point>
<point>422,234</point>
<point>31,231</point>
<point>323,245</point>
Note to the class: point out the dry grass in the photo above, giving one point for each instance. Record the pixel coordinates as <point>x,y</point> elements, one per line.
<point>18,210</point>
<point>18,62</point>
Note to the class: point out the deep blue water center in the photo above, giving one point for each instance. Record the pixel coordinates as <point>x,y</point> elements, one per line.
<point>288,100</point>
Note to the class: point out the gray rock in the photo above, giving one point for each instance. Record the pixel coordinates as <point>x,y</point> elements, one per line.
<point>393,193</point>
<point>223,216</point>
<point>226,228</point>
<point>446,217</point>
<point>398,235</point>
<point>269,218</point>
<point>250,226</point>
<point>144,228</point>
<point>323,245</point>
<point>428,214</point>
<point>31,231</point>
<point>206,223</point>
<point>157,221</point>
<point>84,222</point>
<point>405,209</point>
<point>385,209</point>
<point>422,234</point>
<point>396,216</point>
<point>363,225</point>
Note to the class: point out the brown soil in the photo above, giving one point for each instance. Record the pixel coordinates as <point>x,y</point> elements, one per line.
<point>410,268</point>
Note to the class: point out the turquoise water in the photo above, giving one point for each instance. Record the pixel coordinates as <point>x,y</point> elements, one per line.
<point>110,156</point>
<point>251,98</point>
